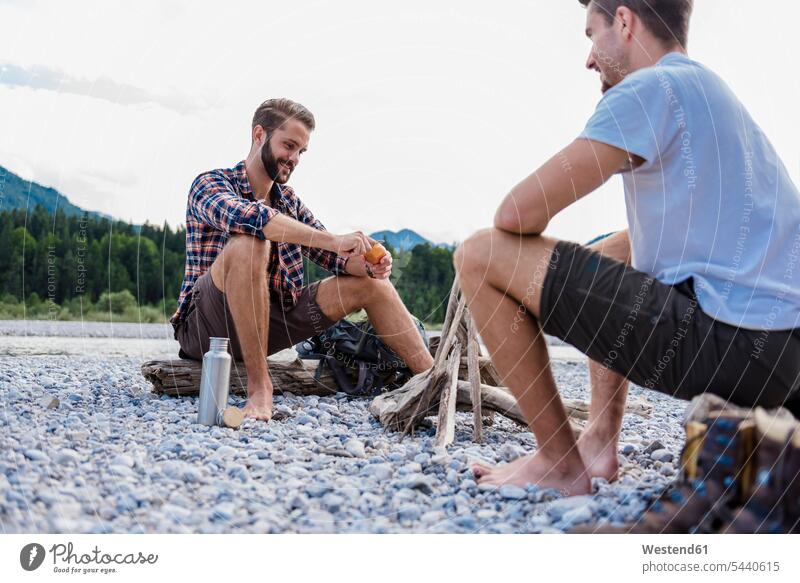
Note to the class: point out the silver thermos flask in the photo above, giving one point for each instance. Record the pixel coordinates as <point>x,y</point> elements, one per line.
<point>214,385</point>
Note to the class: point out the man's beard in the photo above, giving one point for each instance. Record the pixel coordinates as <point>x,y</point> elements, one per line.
<point>272,165</point>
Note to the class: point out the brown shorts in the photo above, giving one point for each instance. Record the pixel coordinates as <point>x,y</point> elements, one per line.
<point>209,316</point>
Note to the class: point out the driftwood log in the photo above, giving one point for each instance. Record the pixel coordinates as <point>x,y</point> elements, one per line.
<point>181,377</point>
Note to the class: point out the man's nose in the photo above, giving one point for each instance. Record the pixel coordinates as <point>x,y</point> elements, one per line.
<point>591,62</point>
<point>295,158</point>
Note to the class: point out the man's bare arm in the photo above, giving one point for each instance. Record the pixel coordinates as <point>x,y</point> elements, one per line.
<point>571,174</point>
<point>287,230</point>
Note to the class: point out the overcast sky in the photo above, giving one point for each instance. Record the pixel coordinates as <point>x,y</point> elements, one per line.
<point>427,111</point>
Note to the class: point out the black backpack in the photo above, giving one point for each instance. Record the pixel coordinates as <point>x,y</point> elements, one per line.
<point>358,359</point>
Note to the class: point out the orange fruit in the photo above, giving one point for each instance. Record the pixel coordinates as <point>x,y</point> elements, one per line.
<point>375,254</point>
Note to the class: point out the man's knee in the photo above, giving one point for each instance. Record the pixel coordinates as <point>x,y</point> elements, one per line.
<point>371,289</point>
<point>487,253</point>
<point>246,251</point>
<point>474,254</point>
<point>242,254</point>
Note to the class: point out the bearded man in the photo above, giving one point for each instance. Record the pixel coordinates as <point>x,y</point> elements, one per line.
<point>246,235</point>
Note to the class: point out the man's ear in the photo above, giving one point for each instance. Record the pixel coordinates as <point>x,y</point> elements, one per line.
<point>624,18</point>
<point>259,135</point>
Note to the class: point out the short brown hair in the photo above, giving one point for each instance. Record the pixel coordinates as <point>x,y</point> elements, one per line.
<point>668,20</point>
<point>273,113</point>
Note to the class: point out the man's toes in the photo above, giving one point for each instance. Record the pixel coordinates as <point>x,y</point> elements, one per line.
<point>490,479</point>
<point>481,470</point>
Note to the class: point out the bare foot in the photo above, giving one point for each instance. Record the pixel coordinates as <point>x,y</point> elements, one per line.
<point>259,405</point>
<point>601,460</point>
<point>537,469</point>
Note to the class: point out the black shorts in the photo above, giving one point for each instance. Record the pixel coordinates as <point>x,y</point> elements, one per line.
<point>657,336</point>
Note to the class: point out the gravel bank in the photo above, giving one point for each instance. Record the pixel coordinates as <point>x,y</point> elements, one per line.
<point>79,329</point>
<point>112,457</point>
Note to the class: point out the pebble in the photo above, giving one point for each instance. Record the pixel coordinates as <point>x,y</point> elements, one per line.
<point>36,455</point>
<point>225,451</point>
<point>121,471</point>
<point>333,502</point>
<point>422,458</point>
<point>237,472</point>
<point>317,490</point>
<point>409,512</point>
<point>667,470</point>
<point>512,492</point>
<point>192,475</point>
<point>432,516</point>
<point>122,460</point>
<point>380,472</point>
<point>298,502</point>
<point>67,456</point>
<point>224,511</point>
<point>661,455</point>
<point>49,402</point>
<point>655,445</point>
<point>419,482</point>
<point>355,448</point>
<point>578,515</point>
<point>557,509</point>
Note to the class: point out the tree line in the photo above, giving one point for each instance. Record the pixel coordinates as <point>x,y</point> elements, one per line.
<point>84,266</point>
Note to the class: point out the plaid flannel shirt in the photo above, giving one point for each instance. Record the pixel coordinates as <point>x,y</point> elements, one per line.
<point>221,203</point>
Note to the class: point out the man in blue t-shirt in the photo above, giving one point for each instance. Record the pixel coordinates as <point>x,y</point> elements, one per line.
<point>700,294</point>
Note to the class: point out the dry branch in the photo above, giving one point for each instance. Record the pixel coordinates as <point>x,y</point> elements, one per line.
<point>446,429</point>
<point>473,375</point>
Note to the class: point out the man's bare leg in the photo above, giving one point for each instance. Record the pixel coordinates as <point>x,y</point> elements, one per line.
<point>502,275</point>
<point>240,273</point>
<point>599,440</point>
<point>339,296</point>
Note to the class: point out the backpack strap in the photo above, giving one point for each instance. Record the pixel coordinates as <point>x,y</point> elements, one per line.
<point>364,383</point>
<point>339,374</point>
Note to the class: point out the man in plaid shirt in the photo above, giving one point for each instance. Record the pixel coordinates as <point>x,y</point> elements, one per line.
<point>246,235</point>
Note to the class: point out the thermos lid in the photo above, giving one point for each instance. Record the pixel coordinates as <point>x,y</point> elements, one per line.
<point>232,417</point>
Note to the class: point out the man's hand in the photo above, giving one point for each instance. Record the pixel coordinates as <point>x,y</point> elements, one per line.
<point>360,267</point>
<point>353,244</point>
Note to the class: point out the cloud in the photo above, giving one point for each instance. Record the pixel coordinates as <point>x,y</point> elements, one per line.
<point>105,88</point>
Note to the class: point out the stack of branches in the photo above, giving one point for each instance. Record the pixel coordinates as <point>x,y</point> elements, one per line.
<point>406,408</point>
<point>439,390</point>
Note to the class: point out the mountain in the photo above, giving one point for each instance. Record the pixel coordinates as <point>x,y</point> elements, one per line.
<point>16,192</point>
<point>405,239</point>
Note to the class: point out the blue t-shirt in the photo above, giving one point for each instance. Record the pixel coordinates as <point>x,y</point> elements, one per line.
<point>712,200</point>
